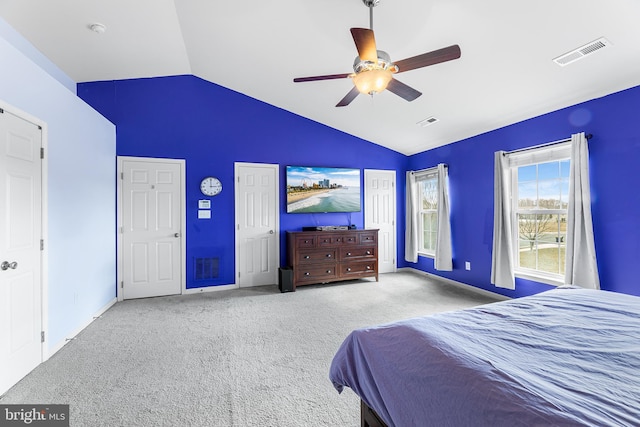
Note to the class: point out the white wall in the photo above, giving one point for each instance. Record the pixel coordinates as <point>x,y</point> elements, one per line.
<point>81,187</point>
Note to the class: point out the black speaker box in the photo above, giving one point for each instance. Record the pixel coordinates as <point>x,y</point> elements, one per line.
<point>285,280</point>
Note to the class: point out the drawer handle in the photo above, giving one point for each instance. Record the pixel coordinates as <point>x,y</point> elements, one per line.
<point>348,253</point>
<point>348,268</point>
<point>328,255</point>
<point>306,241</point>
<point>368,267</point>
<point>368,252</point>
<point>307,274</point>
<point>307,257</point>
<point>329,271</point>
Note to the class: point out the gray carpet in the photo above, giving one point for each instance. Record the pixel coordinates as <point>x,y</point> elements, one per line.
<point>247,357</point>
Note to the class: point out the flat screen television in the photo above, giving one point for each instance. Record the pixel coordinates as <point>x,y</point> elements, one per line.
<point>322,189</point>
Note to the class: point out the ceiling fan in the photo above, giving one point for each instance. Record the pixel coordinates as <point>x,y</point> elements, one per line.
<point>373,70</point>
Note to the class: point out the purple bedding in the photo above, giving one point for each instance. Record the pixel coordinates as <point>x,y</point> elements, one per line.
<point>563,357</point>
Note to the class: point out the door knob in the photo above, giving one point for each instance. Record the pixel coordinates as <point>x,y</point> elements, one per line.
<point>176,235</point>
<point>8,265</point>
<point>270,231</point>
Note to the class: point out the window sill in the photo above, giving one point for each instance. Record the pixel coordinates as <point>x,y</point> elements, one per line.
<point>549,280</point>
<point>426,255</point>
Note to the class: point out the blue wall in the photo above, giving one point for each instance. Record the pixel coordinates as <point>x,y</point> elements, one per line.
<point>212,127</point>
<point>615,180</point>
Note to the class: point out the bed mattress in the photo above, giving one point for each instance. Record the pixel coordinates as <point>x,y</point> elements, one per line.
<point>563,357</point>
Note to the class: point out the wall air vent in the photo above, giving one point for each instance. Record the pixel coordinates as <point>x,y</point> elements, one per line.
<point>206,268</point>
<point>581,52</point>
<point>427,122</point>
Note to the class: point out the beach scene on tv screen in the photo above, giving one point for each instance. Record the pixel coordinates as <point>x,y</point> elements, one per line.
<point>322,189</point>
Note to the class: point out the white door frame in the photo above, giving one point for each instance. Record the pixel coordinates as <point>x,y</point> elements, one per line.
<point>44,224</point>
<point>237,220</point>
<point>391,173</point>
<point>183,220</point>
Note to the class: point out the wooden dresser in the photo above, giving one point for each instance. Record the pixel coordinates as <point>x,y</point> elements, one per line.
<point>331,256</point>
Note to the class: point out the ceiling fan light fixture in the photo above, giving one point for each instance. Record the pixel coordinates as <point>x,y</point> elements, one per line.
<point>373,70</point>
<point>372,81</point>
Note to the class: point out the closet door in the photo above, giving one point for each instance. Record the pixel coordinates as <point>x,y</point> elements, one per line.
<point>380,213</point>
<point>20,251</point>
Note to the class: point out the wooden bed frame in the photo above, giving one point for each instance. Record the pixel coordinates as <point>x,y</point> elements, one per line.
<point>369,418</point>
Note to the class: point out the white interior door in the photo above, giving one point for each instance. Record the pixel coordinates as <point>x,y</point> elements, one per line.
<point>151,227</point>
<point>257,224</point>
<point>380,212</point>
<point>20,254</point>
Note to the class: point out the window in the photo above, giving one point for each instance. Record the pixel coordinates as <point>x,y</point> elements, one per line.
<point>540,199</point>
<point>428,230</point>
<point>541,228</point>
<point>428,189</point>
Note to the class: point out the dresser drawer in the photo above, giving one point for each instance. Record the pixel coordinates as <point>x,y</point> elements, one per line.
<point>329,240</point>
<point>302,242</point>
<point>357,269</point>
<point>315,257</point>
<point>316,273</point>
<point>350,239</point>
<point>368,238</point>
<point>358,252</point>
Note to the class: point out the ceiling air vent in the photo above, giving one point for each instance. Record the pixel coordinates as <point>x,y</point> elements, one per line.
<point>428,121</point>
<point>581,52</point>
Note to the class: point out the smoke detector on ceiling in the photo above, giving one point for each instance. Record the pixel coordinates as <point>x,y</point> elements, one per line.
<point>98,28</point>
<point>582,51</point>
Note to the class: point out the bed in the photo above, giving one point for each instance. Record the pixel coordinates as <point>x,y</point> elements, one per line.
<point>568,356</point>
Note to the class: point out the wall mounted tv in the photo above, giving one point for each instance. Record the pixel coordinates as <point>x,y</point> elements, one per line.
<point>322,189</point>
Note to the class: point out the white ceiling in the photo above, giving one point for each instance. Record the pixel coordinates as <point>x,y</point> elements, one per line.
<point>506,73</point>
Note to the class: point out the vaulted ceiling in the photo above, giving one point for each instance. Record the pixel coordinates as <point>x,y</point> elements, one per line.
<point>506,72</point>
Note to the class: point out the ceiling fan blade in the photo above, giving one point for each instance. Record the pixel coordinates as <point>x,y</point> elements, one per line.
<point>429,58</point>
<point>316,78</point>
<point>402,90</point>
<point>350,97</point>
<point>365,43</point>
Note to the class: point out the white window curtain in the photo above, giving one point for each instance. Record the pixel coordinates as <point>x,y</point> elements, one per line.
<point>502,274</point>
<point>581,268</point>
<point>443,260</point>
<point>412,219</point>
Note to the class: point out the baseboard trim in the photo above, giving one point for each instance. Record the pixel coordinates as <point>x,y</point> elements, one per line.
<point>210,289</point>
<point>99,313</point>
<point>456,283</point>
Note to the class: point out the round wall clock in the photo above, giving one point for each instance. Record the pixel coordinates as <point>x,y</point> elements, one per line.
<point>210,186</point>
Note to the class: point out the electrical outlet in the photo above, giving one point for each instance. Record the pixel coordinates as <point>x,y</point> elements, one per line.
<point>467,265</point>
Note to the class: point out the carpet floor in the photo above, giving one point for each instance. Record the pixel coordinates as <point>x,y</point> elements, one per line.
<point>236,358</point>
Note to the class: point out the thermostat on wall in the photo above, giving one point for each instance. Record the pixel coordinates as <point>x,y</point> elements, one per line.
<point>204,214</point>
<point>204,204</point>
